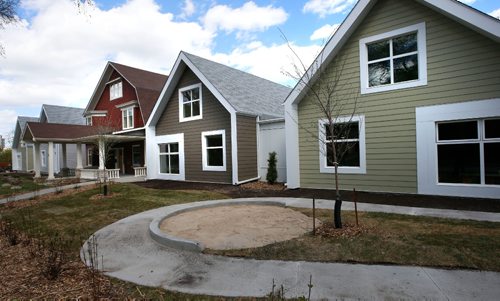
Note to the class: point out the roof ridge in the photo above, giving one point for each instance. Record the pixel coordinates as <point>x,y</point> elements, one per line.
<point>138,69</point>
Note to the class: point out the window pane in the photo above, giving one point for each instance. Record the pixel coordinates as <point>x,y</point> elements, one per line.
<point>347,130</point>
<point>349,153</point>
<point>458,130</point>
<point>214,140</point>
<point>163,148</point>
<point>379,73</point>
<point>196,108</point>
<point>187,109</point>
<point>378,50</point>
<point>406,68</point>
<point>459,163</point>
<point>164,168</point>
<point>492,163</point>
<point>195,93</point>
<point>492,128</point>
<point>329,154</point>
<point>174,147</point>
<point>174,164</point>
<point>215,157</point>
<point>186,96</point>
<point>404,44</point>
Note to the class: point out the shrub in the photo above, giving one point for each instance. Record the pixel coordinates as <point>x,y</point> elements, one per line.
<point>272,172</point>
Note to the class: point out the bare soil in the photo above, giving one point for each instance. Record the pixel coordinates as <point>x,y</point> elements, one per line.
<point>238,226</point>
<point>397,199</point>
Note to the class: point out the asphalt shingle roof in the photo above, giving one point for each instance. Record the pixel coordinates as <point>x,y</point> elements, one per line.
<point>247,93</point>
<point>63,115</point>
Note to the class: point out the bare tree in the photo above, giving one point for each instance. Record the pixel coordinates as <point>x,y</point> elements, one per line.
<point>104,142</point>
<point>337,102</point>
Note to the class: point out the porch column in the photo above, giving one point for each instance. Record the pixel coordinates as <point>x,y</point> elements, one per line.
<point>64,156</point>
<point>79,164</point>
<point>51,161</point>
<point>102,155</point>
<point>36,159</point>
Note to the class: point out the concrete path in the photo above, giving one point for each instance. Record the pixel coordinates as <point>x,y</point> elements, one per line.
<point>130,254</point>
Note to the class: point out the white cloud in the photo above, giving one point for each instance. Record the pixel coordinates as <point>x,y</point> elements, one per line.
<point>249,17</point>
<point>8,118</point>
<point>188,9</point>
<point>495,13</point>
<point>58,57</point>
<point>270,62</point>
<point>328,7</point>
<point>469,2</point>
<point>324,32</point>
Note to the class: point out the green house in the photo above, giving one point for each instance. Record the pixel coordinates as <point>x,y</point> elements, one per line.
<point>418,81</point>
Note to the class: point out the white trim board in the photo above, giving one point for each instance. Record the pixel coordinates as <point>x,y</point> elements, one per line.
<point>426,118</point>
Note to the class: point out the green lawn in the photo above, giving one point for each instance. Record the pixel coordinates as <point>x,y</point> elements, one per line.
<point>25,181</point>
<point>393,239</point>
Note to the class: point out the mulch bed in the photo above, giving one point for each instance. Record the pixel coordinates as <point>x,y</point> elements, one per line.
<point>411,200</point>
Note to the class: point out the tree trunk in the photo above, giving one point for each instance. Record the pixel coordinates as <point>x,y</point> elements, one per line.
<point>337,219</point>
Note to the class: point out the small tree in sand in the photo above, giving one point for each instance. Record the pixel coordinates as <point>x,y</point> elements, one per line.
<point>336,101</point>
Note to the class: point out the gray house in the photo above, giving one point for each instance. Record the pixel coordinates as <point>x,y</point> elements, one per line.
<point>22,152</point>
<point>207,124</point>
<point>426,76</point>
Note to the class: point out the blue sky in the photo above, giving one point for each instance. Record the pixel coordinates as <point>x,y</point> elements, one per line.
<point>56,54</point>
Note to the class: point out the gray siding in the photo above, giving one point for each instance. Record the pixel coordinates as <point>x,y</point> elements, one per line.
<point>215,117</point>
<point>247,147</point>
<point>462,65</point>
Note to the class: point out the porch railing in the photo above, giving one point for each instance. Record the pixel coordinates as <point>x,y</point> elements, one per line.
<point>113,173</point>
<point>140,171</point>
<point>93,174</point>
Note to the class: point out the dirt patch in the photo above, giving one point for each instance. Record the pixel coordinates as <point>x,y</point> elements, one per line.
<point>238,226</point>
<point>397,199</point>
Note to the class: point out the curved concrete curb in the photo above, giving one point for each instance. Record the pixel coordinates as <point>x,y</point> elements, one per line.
<point>193,245</point>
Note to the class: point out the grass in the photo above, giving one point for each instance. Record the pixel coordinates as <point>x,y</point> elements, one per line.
<point>25,181</point>
<point>393,239</point>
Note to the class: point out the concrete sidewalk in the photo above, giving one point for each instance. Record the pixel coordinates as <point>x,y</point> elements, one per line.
<point>130,254</point>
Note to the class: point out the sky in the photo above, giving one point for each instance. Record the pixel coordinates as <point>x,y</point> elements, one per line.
<point>56,52</point>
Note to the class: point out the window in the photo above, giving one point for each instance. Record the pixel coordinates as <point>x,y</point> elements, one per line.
<point>169,158</point>
<point>116,90</point>
<point>214,150</point>
<point>190,103</point>
<point>136,155</point>
<point>88,120</point>
<point>348,137</point>
<point>393,60</point>
<point>128,118</point>
<point>467,151</point>
<point>44,158</point>
<point>90,151</point>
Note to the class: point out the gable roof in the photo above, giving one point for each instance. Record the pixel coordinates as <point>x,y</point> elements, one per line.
<point>147,85</point>
<point>61,114</point>
<point>458,11</point>
<point>57,132</point>
<point>20,128</point>
<point>238,91</point>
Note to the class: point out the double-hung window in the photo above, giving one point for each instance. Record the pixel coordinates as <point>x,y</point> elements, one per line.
<point>347,134</point>
<point>128,118</point>
<point>190,103</point>
<point>90,152</point>
<point>116,90</point>
<point>468,151</point>
<point>393,60</point>
<point>169,158</point>
<point>214,150</point>
<point>88,120</point>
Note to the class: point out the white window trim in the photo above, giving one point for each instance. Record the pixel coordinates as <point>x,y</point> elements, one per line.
<point>90,153</point>
<point>153,145</point>
<point>88,120</point>
<point>204,150</point>
<point>323,168</point>
<point>43,160</point>
<point>422,59</point>
<point>124,113</point>
<point>119,84</point>
<point>427,169</point>
<point>168,154</point>
<point>181,107</point>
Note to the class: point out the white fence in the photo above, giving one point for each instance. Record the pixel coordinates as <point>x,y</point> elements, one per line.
<point>94,174</point>
<point>140,171</point>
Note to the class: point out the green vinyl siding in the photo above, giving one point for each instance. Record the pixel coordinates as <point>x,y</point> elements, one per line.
<point>462,65</point>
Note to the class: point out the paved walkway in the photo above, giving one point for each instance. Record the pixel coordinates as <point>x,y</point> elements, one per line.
<point>130,254</point>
